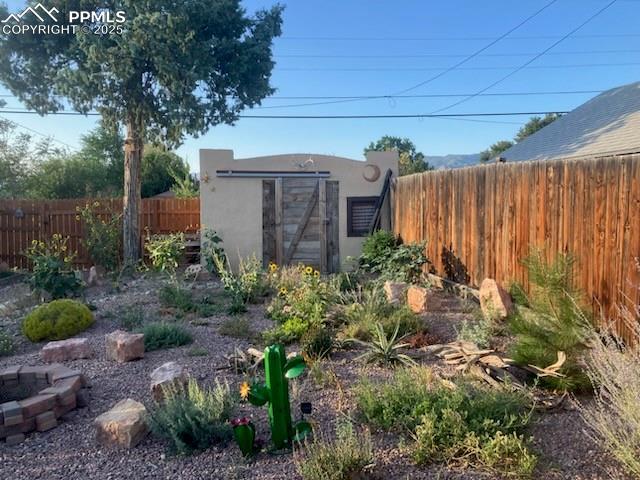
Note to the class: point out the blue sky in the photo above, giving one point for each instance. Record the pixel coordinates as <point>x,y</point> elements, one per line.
<point>342,48</point>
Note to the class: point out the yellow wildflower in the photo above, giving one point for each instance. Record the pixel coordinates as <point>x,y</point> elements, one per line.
<point>77,217</point>
<point>308,270</point>
<point>273,266</point>
<point>283,291</point>
<point>96,204</point>
<point>245,390</point>
<point>316,273</point>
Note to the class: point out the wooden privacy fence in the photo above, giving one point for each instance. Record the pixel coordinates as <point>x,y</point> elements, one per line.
<point>481,221</point>
<point>22,221</point>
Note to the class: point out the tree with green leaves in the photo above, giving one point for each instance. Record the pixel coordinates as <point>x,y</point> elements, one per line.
<point>411,161</point>
<point>176,69</point>
<point>532,126</point>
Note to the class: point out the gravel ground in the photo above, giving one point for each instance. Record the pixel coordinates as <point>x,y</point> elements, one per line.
<point>70,452</point>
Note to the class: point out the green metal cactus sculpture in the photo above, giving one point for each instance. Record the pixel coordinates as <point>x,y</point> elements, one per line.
<point>275,393</point>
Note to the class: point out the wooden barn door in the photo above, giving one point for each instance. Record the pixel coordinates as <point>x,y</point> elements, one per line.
<point>300,223</point>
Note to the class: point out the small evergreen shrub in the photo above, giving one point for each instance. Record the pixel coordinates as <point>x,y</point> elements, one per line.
<point>57,320</point>
<point>174,296</point>
<point>193,418</point>
<point>555,323</point>
<point>348,456</point>
<point>165,335</point>
<point>6,344</point>
<point>317,343</point>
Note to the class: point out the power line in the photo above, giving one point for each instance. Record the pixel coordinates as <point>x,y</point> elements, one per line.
<point>436,69</point>
<point>416,115</point>
<point>530,61</point>
<point>50,137</point>
<point>451,55</point>
<point>403,39</point>
<point>477,52</point>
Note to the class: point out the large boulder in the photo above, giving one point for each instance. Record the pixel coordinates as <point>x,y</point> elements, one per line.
<point>123,426</point>
<point>417,299</point>
<point>395,291</point>
<point>495,302</point>
<point>124,346</point>
<point>170,373</point>
<point>65,350</point>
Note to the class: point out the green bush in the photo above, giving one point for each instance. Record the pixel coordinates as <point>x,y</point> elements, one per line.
<point>165,252</point>
<point>383,254</point>
<point>290,331</point>
<point>371,308</point>
<point>376,250</point>
<point>193,418</point>
<point>131,317</point>
<point>57,320</point>
<point>165,335</point>
<point>173,296</point>
<point>211,247</point>
<point>237,328</point>
<point>555,323</point>
<point>6,344</point>
<point>52,268</point>
<point>349,456</point>
<point>460,423</point>
<point>102,238</point>
<point>317,342</point>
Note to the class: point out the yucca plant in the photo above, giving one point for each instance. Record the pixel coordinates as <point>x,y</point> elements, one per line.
<point>383,349</point>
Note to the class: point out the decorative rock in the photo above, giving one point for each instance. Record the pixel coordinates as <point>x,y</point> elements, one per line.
<point>417,299</point>
<point>170,373</point>
<point>65,350</point>
<point>124,425</point>
<point>494,300</point>
<point>395,291</point>
<point>124,347</point>
<point>92,280</point>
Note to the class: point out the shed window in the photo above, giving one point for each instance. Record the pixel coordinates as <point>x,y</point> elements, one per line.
<point>360,212</point>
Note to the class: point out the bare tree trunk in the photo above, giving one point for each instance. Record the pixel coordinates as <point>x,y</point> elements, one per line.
<point>133,147</point>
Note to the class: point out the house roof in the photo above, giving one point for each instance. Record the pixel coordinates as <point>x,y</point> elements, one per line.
<point>608,124</point>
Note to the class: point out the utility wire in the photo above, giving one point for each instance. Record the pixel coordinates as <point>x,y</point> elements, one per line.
<point>413,115</point>
<point>528,62</point>
<point>435,69</point>
<point>402,39</point>
<point>50,137</point>
<point>451,55</point>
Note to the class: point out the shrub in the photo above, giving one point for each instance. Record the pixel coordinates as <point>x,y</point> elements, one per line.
<point>6,344</point>
<point>165,252</point>
<point>102,238</point>
<point>192,418</point>
<point>211,247</point>
<point>478,332</point>
<point>52,270</point>
<point>453,423</point>
<point>57,320</point>
<point>165,335</point>
<point>376,250</point>
<point>370,308</point>
<point>317,342</point>
<point>614,415</point>
<point>174,296</point>
<point>237,328</point>
<point>556,322</point>
<point>290,331</point>
<point>349,456</point>
<point>385,350</point>
<point>382,253</point>
<point>131,318</point>
<point>245,286</point>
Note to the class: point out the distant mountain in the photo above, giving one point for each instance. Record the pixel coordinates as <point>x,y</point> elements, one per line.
<point>453,160</point>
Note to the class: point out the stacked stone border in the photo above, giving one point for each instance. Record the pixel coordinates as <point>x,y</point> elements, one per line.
<point>59,390</point>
